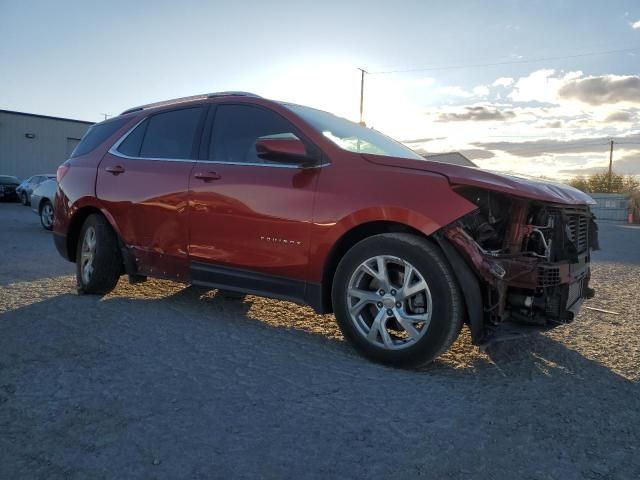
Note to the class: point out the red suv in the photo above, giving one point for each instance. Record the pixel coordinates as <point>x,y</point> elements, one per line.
<point>240,193</point>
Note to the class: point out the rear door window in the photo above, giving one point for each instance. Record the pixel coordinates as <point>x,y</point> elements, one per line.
<point>169,134</point>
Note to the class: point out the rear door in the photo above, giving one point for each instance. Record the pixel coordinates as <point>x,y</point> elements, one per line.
<point>249,214</point>
<point>143,181</point>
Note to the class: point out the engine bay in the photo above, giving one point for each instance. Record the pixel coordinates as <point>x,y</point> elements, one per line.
<point>532,257</point>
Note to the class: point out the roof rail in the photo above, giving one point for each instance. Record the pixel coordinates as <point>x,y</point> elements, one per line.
<point>203,96</point>
<point>233,93</point>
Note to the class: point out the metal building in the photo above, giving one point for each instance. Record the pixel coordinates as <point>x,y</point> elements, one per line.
<point>611,206</point>
<point>32,144</point>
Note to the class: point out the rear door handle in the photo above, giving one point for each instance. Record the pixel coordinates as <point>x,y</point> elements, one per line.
<point>207,176</point>
<point>115,170</point>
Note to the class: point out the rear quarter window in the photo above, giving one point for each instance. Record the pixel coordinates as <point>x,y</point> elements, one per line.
<point>97,134</point>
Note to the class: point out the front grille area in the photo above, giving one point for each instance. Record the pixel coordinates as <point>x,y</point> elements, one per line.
<point>576,225</point>
<point>578,231</point>
<point>548,276</point>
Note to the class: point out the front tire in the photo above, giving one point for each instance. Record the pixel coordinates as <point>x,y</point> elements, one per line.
<point>396,299</point>
<point>46,215</point>
<point>98,257</point>
<point>24,199</point>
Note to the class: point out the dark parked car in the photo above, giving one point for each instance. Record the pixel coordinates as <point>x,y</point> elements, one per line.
<point>8,185</point>
<point>237,192</point>
<point>42,202</point>
<point>26,188</point>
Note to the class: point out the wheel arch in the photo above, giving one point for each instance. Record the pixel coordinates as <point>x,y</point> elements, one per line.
<point>41,204</point>
<point>348,240</point>
<point>467,280</point>
<point>75,225</point>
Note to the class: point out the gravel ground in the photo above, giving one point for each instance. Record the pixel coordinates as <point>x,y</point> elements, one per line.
<point>158,380</point>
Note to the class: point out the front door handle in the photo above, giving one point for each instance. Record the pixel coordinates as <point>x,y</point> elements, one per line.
<point>207,176</point>
<point>115,170</point>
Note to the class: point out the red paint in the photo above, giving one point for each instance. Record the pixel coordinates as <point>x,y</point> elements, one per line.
<point>148,203</point>
<point>281,221</point>
<point>530,188</point>
<point>232,217</point>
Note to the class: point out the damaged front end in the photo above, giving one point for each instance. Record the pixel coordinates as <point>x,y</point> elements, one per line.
<point>531,259</point>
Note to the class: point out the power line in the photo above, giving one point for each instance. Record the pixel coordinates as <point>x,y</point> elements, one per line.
<point>511,62</point>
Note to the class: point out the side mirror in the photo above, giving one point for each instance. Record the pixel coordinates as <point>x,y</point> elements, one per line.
<point>285,150</point>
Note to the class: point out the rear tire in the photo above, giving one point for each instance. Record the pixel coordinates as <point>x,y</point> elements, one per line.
<point>390,320</point>
<point>98,257</point>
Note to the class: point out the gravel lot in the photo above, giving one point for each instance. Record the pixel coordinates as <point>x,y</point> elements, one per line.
<point>159,380</point>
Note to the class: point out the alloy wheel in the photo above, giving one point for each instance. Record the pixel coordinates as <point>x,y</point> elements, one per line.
<point>389,302</point>
<point>47,215</point>
<point>88,254</point>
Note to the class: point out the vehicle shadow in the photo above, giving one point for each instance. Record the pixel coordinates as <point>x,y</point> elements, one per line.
<point>183,375</point>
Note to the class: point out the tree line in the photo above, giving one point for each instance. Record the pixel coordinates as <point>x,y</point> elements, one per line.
<point>600,183</point>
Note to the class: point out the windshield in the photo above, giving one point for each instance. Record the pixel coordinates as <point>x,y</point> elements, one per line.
<point>350,136</point>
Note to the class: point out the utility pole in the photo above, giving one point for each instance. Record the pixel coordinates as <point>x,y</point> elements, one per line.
<point>362,72</point>
<point>610,164</point>
<point>105,115</point>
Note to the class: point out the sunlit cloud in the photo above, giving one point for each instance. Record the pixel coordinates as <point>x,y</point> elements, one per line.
<point>534,148</point>
<point>503,82</point>
<point>627,165</point>
<point>621,116</point>
<point>476,113</point>
<point>541,86</point>
<point>604,89</point>
<point>481,91</point>
<point>454,91</point>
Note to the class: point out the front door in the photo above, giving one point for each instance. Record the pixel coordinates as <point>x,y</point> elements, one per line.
<point>249,215</point>
<point>144,182</point>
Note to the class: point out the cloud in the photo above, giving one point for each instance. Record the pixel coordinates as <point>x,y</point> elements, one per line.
<point>423,140</point>
<point>476,113</point>
<point>621,116</point>
<point>551,124</point>
<point>636,24</point>
<point>627,165</point>
<point>541,86</point>
<point>477,153</point>
<point>605,89</point>
<point>536,148</point>
<point>503,82</point>
<point>481,91</point>
<point>454,91</point>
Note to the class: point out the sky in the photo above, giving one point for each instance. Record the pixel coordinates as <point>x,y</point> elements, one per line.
<point>532,87</point>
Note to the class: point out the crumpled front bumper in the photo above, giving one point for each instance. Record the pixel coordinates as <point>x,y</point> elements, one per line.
<point>522,289</point>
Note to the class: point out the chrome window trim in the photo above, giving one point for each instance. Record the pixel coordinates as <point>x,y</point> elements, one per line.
<point>114,151</point>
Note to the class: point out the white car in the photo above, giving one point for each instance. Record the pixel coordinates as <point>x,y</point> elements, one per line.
<point>42,202</point>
